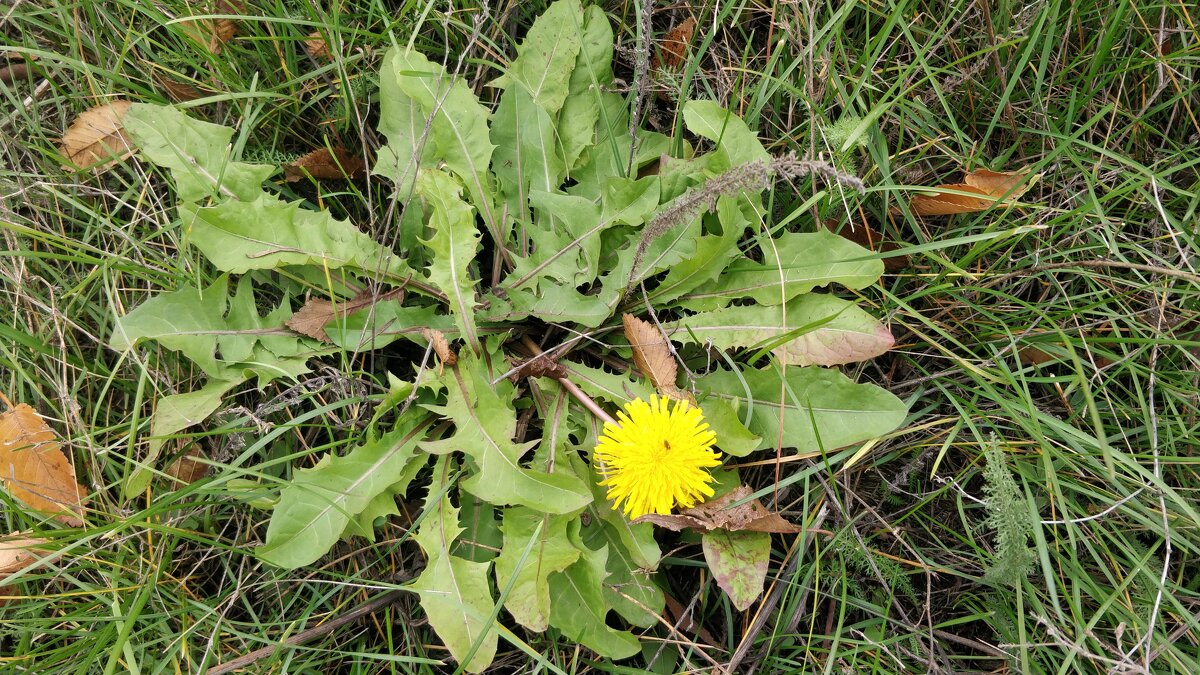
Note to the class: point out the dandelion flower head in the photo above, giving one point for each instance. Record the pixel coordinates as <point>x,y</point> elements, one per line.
<point>657,456</point>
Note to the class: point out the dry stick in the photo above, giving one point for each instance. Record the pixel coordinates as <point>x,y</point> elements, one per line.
<point>309,634</point>
<point>776,592</point>
<point>572,389</point>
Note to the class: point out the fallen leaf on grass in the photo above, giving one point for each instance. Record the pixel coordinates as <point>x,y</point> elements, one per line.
<point>673,48</point>
<point>986,188</point>
<point>652,355</point>
<point>317,46</point>
<point>97,138</point>
<point>16,72</point>
<point>214,33</point>
<point>188,468</point>
<point>715,515</point>
<point>181,92</point>
<point>322,164</point>
<point>33,467</point>
<point>865,236</point>
<point>312,318</point>
<point>17,551</point>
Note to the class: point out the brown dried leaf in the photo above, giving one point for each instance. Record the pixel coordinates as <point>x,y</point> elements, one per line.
<point>317,47</point>
<point>181,92</point>
<point>33,467</point>
<point>322,164</point>
<point>538,366</point>
<point>441,347</point>
<point>652,355</point>
<point>986,188</point>
<point>673,49</point>
<point>17,551</point>
<point>866,237</point>
<point>17,72</point>
<point>97,138</point>
<point>312,318</point>
<point>188,468</point>
<point>214,33</point>
<point>715,515</point>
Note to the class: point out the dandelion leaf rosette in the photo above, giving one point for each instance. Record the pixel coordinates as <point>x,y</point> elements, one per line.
<point>534,211</point>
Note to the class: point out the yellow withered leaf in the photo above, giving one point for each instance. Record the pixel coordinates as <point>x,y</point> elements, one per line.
<point>97,138</point>
<point>33,467</point>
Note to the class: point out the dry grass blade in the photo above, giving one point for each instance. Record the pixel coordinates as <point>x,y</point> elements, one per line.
<point>97,138</point>
<point>33,467</point>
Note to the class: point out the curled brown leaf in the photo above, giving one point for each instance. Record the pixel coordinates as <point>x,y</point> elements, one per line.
<point>441,347</point>
<point>984,189</point>
<point>317,46</point>
<point>652,356</point>
<point>325,164</point>
<point>673,49</point>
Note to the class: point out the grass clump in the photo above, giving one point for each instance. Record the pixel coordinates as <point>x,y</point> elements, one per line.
<point>1062,329</point>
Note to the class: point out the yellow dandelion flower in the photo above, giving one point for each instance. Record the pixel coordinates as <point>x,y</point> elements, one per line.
<point>657,456</point>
